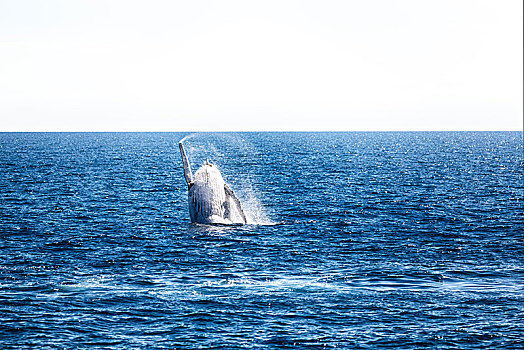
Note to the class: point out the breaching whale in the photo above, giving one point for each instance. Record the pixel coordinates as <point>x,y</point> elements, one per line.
<point>210,199</point>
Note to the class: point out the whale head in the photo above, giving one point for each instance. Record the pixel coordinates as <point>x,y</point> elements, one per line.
<point>208,175</point>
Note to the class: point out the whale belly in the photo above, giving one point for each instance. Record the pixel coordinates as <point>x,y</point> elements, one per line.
<point>206,204</point>
<point>207,197</point>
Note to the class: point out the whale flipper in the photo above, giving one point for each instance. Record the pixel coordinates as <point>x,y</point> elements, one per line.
<point>233,196</point>
<point>187,168</point>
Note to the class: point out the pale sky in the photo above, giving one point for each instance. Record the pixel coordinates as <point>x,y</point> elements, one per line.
<point>261,65</point>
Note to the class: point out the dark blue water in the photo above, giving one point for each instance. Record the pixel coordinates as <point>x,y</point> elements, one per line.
<point>360,240</point>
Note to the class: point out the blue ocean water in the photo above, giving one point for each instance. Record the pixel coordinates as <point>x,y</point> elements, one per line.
<point>357,240</point>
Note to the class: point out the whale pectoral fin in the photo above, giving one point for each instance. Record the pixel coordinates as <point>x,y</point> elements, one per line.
<point>187,168</point>
<point>230,193</point>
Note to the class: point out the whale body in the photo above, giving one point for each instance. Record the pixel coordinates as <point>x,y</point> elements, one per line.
<point>210,199</point>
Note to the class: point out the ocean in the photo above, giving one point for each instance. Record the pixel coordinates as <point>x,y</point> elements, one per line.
<point>356,240</point>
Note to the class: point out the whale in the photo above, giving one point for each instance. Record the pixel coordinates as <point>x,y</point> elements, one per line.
<point>210,199</point>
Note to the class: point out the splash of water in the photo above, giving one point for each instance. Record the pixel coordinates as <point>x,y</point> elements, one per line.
<point>187,137</point>
<point>199,152</point>
<point>255,212</point>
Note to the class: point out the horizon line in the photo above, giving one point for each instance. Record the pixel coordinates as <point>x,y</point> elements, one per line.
<point>239,131</point>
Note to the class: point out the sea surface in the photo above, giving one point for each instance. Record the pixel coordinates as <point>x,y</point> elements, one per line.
<point>358,240</point>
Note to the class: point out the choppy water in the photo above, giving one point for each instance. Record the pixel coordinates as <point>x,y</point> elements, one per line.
<point>360,240</point>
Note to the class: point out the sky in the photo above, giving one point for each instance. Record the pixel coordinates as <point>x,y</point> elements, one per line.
<point>261,65</point>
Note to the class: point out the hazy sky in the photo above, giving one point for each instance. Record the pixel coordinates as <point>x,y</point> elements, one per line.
<point>261,65</point>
